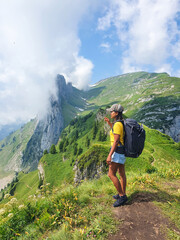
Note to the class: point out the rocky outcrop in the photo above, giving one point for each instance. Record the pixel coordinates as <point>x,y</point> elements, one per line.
<point>162,114</point>
<point>174,129</point>
<point>49,128</point>
<point>91,172</point>
<point>92,164</point>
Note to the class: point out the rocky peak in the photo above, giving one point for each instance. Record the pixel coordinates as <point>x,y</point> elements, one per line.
<point>61,86</point>
<point>49,128</point>
<point>63,89</point>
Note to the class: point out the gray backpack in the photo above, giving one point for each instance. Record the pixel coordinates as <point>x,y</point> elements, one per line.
<point>134,139</point>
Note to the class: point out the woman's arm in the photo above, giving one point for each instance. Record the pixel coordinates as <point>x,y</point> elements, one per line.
<point>108,121</point>
<point>113,148</point>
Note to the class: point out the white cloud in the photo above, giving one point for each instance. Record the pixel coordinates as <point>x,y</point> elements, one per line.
<point>106,47</point>
<point>82,73</point>
<point>39,39</point>
<point>164,68</point>
<point>105,22</point>
<point>128,67</point>
<point>147,30</point>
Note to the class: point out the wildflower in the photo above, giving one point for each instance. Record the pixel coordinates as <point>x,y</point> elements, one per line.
<point>81,231</point>
<point>21,206</point>
<point>7,195</point>
<point>2,211</point>
<point>8,205</point>
<point>10,215</point>
<point>47,184</point>
<point>13,200</point>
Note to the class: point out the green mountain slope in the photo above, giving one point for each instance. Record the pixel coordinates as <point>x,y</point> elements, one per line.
<point>151,98</point>
<point>11,150</point>
<point>76,160</point>
<point>160,150</point>
<point>22,149</point>
<point>60,204</point>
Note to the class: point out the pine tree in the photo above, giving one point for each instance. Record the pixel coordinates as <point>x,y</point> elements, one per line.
<point>94,130</point>
<point>87,142</point>
<point>80,150</point>
<point>76,134</point>
<point>53,149</point>
<point>75,149</point>
<point>61,146</point>
<point>100,137</point>
<point>45,151</point>
<point>104,136</point>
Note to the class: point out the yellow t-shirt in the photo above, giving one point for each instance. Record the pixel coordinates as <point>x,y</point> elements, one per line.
<point>117,129</point>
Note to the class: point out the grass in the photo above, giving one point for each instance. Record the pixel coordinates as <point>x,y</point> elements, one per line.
<point>53,163</point>
<point>27,185</point>
<point>84,212</point>
<point>63,210</point>
<point>13,145</point>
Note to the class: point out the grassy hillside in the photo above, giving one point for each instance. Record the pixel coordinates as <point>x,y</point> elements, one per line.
<point>73,106</point>
<point>11,148</point>
<point>61,210</point>
<point>151,98</point>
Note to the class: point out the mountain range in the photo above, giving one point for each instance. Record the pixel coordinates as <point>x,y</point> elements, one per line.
<point>150,98</point>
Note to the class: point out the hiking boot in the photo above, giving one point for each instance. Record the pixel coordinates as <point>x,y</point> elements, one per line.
<point>120,201</point>
<point>116,196</point>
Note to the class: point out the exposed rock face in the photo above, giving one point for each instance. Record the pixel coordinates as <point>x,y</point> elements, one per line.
<point>91,172</point>
<point>91,164</point>
<point>163,118</point>
<point>174,129</point>
<point>49,128</point>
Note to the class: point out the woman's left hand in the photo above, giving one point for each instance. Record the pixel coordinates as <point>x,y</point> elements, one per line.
<point>108,160</point>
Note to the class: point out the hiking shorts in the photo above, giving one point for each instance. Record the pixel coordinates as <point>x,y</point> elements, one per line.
<point>118,158</point>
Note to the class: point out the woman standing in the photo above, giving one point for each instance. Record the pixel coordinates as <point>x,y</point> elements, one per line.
<point>116,158</point>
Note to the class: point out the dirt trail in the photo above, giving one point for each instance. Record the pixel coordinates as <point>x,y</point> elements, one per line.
<point>140,220</point>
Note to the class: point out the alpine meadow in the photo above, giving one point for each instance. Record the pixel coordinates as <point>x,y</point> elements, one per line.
<point>53,171</point>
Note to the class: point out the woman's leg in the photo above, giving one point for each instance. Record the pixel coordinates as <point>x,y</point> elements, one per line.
<point>121,171</point>
<point>113,167</point>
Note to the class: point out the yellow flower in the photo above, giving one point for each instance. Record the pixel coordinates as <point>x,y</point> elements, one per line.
<point>81,231</point>
<point>17,234</point>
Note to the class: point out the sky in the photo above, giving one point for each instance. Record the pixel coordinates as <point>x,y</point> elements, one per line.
<point>85,40</point>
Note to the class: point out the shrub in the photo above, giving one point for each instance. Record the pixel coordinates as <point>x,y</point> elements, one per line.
<point>75,149</point>
<point>150,169</point>
<point>87,142</point>
<point>95,129</point>
<point>53,149</point>
<point>80,150</point>
<point>61,146</point>
<point>45,151</point>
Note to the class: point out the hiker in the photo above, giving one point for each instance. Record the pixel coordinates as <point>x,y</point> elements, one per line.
<point>116,158</point>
